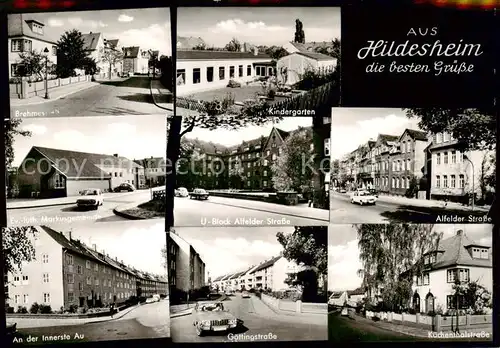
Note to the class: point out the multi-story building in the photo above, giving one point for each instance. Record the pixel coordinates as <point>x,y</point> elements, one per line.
<point>104,52</point>
<point>189,267</point>
<point>457,258</point>
<point>452,173</point>
<point>155,170</point>
<point>25,34</point>
<point>65,272</point>
<point>47,172</point>
<point>137,60</point>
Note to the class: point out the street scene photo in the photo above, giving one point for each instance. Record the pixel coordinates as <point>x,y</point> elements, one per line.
<point>83,170</point>
<point>410,282</point>
<point>260,61</point>
<point>90,63</point>
<point>413,165</point>
<point>78,284</point>
<point>249,284</point>
<point>272,171</point>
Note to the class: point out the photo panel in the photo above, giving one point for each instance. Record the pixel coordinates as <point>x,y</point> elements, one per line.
<point>248,284</point>
<point>74,283</point>
<point>436,286</point>
<point>270,171</point>
<point>265,61</point>
<point>90,63</point>
<point>413,165</point>
<point>85,170</point>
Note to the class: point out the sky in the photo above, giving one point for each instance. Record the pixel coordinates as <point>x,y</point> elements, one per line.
<point>233,249</point>
<point>133,137</point>
<point>343,252</point>
<point>147,28</point>
<point>233,137</point>
<point>137,243</point>
<point>258,26</point>
<point>352,127</point>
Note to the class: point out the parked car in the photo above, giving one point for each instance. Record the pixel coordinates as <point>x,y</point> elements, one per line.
<point>363,197</point>
<point>198,194</point>
<point>90,198</point>
<point>124,186</point>
<point>181,192</point>
<point>211,316</point>
<point>373,192</point>
<point>245,294</point>
<point>342,190</point>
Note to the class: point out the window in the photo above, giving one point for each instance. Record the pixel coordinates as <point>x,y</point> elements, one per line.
<point>264,173</point>
<point>71,278</point>
<point>222,73</point>
<point>453,157</point>
<point>89,281</point>
<point>408,164</point>
<point>16,45</point>
<point>446,137</point>
<point>196,75</point>
<point>16,278</point>
<point>445,181</point>
<point>240,71</point>
<point>231,72</point>
<point>438,181</point>
<point>397,182</point>
<point>461,181</point>
<point>439,138</point>
<point>426,279</point>
<point>96,281</point>
<point>408,146</point>
<point>71,297</point>
<point>403,147</point>
<point>249,174</point>
<point>265,162</point>
<point>274,157</point>
<point>181,77</point>
<point>249,165</point>
<point>54,50</point>
<point>273,145</point>
<point>249,183</point>
<point>46,297</point>
<point>393,183</point>
<point>249,70</point>
<point>80,286</point>
<point>210,74</point>
<point>445,158</point>
<point>25,278</point>
<point>461,273</point>
<point>14,70</point>
<point>327,147</point>
<point>45,258</point>
<point>438,158</point>
<point>403,183</point>
<point>419,280</point>
<point>87,264</point>
<point>453,181</point>
<point>45,277</point>
<point>25,298</point>
<point>268,152</point>
<point>17,298</point>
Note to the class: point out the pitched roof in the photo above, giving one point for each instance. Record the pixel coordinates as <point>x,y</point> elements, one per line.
<point>386,137</point>
<point>218,55</point>
<point>416,134</point>
<point>72,245</point>
<point>311,46</point>
<point>18,25</point>
<point>91,40</point>
<point>131,52</point>
<point>218,278</point>
<point>337,294</point>
<point>112,43</point>
<point>267,264</point>
<point>455,251</point>
<point>188,43</point>
<point>76,164</point>
<point>315,56</point>
<point>358,291</point>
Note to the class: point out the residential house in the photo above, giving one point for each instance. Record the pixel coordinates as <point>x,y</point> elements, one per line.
<point>452,173</point>
<point>66,272</point>
<point>96,47</point>
<point>117,67</point>
<point>338,298</point>
<point>291,69</point>
<point>189,267</point>
<point>136,60</point>
<point>47,172</point>
<point>155,170</point>
<point>455,258</point>
<point>272,274</point>
<point>190,43</point>
<point>202,70</point>
<point>382,175</point>
<point>25,34</point>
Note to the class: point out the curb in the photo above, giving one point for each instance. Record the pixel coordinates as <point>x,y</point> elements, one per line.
<point>122,314</point>
<point>182,314</point>
<point>154,99</point>
<point>40,206</point>
<point>127,216</point>
<point>52,99</point>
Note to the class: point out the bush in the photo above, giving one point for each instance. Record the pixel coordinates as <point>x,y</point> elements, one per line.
<point>412,311</point>
<point>45,309</point>
<point>21,310</point>
<point>35,308</point>
<point>233,84</point>
<point>9,309</point>
<point>73,308</point>
<point>252,290</point>
<point>271,94</point>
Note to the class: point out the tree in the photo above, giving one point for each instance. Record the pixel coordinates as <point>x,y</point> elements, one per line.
<point>12,129</point>
<point>236,175</point>
<point>34,63</point>
<point>300,36</point>
<point>200,47</point>
<point>307,247</point>
<point>289,171</point>
<point>90,66</point>
<point>474,129</point>
<point>17,247</point>
<point>111,57</point>
<point>332,50</point>
<point>413,188</point>
<point>276,52</point>
<point>233,46</point>
<point>487,174</point>
<point>71,53</point>
<point>166,66</point>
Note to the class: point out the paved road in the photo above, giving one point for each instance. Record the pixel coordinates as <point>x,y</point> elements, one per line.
<point>342,211</point>
<point>148,321</point>
<point>70,213</point>
<point>220,211</point>
<point>128,97</point>
<point>255,322</point>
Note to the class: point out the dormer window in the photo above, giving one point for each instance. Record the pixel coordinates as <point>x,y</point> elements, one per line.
<point>37,28</point>
<point>480,253</point>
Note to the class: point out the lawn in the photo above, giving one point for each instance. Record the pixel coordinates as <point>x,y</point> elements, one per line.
<point>149,210</point>
<point>240,94</point>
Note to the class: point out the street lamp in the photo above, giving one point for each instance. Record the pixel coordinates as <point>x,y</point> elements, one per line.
<point>473,188</point>
<point>46,51</point>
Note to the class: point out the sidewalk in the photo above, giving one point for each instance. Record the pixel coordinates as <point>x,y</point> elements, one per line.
<point>181,310</point>
<point>54,93</point>
<point>162,97</point>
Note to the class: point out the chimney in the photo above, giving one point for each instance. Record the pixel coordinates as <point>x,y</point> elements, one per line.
<point>94,246</point>
<point>116,259</point>
<point>460,232</point>
<point>121,261</point>
<point>69,235</point>
<point>115,155</point>
<point>255,51</point>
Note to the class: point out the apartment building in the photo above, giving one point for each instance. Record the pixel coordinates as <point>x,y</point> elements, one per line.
<point>66,272</point>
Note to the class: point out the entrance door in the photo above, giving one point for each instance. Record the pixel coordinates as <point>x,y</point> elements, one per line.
<point>429,303</point>
<point>416,303</point>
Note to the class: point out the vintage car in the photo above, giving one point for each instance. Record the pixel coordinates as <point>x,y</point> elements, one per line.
<point>181,192</point>
<point>245,294</point>
<point>198,194</point>
<point>211,316</point>
<point>90,198</point>
<point>124,186</point>
<point>363,197</point>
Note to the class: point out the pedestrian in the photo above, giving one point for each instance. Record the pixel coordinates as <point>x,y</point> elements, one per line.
<point>112,309</point>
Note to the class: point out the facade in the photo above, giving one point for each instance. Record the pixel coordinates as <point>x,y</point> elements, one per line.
<point>67,273</point>
<point>202,70</point>
<point>291,68</point>
<point>26,35</point>
<point>189,267</point>
<point>155,170</point>
<point>48,173</point>
<point>455,258</point>
<point>136,60</point>
<point>98,49</point>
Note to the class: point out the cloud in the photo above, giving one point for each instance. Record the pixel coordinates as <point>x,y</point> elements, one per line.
<point>343,265</point>
<point>54,22</point>
<point>78,22</point>
<point>237,26</point>
<point>156,37</point>
<point>125,18</point>
<point>36,129</point>
<point>75,21</point>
